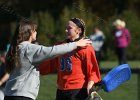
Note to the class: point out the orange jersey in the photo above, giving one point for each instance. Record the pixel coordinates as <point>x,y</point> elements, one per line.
<point>75,69</point>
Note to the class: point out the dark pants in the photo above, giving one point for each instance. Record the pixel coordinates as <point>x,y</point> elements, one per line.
<point>16,98</point>
<point>98,56</point>
<point>76,94</point>
<point>121,53</point>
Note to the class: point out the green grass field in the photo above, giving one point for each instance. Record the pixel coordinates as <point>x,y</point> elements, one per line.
<point>127,91</point>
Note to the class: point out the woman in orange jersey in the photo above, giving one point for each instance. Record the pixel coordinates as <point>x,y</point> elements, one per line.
<point>77,71</point>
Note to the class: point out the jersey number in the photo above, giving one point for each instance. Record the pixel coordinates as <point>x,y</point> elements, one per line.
<point>66,64</point>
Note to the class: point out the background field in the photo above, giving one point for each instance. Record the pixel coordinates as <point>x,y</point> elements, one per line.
<point>127,91</point>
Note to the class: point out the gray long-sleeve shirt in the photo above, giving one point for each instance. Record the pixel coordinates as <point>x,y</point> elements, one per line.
<point>24,80</point>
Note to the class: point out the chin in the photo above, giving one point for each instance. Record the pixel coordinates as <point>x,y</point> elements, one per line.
<point>69,37</point>
<point>34,40</point>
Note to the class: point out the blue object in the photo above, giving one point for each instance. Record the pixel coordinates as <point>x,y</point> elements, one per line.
<point>116,77</point>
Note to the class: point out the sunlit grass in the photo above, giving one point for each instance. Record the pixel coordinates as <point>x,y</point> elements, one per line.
<point>127,91</point>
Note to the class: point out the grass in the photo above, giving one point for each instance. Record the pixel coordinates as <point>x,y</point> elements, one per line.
<point>127,91</point>
<point>111,64</point>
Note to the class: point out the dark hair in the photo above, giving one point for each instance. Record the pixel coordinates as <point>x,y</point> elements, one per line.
<point>22,33</point>
<point>81,24</point>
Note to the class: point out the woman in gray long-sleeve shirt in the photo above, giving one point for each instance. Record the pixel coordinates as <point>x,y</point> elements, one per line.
<point>22,60</point>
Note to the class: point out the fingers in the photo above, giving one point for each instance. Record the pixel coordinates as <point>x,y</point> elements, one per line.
<point>83,42</point>
<point>88,41</point>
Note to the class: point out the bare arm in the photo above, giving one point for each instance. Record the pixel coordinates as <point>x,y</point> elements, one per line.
<point>4,78</point>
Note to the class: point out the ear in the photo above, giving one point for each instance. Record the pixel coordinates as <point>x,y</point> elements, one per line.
<point>79,30</point>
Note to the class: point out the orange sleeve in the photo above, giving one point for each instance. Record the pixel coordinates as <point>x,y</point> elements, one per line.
<point>49,66</point>
<point>93,71</point>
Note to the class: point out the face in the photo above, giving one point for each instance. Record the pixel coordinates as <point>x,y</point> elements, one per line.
<point>96,29</point>
<point>118,27</point>
<point>33,35</point>
<point>72,31</point>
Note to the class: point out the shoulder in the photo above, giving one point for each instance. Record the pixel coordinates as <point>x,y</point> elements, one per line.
<point>100,33</point>
<point>86,49</point>
<point>89,48</point>
<point>27,44</point>
<point>34,47</point>
<point>92,36</point>
<point>125,30</point>
<point>29,48</point>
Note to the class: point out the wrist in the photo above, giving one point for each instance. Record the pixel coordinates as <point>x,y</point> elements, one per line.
<point>77,44</point>
<point>91,82</point>
<point>1,82</point>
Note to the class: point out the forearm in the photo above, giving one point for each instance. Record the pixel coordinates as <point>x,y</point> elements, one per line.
<point>4,78</point>
<point>90,86</point>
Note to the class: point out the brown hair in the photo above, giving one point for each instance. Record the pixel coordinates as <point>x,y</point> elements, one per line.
<point>22,33</point>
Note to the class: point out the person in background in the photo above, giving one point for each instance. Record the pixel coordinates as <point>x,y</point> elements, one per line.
<point>122,40</point>
<point>3,75</point>
<point>77,71</point>
<point>97,38</point>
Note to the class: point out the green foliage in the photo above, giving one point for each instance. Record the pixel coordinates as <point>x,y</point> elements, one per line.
<point>80,12</point>
<point>133,23</point>
<point>45,26</point>
<point>51,30</point>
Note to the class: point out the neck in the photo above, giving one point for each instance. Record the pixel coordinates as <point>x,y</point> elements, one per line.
<point>74,38</point>
<point>30,40</point>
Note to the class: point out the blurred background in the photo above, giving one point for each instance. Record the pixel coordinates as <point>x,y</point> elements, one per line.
<point>52,16</point>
